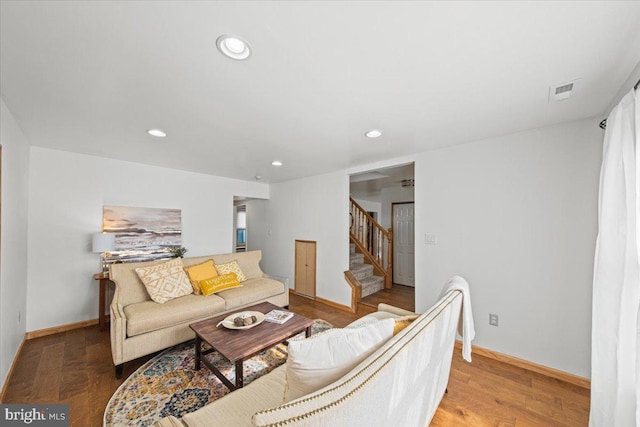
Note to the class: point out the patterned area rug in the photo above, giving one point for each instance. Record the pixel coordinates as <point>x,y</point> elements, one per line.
<point>168,385</point>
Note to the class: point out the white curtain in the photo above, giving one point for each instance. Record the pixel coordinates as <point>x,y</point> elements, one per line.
<point>615,355</point>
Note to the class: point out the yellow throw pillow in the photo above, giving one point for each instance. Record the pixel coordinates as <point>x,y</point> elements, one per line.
<point>219,283</point>
<point>165,281</point>
<point>202,271</point>
<point>231,267</point>
<point>403,322</point>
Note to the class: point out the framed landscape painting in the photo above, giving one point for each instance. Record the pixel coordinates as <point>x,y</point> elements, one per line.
<point>142,234</point>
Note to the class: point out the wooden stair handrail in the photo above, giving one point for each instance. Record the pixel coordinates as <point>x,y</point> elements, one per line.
<point>371,238</point>
<point>370,219</point>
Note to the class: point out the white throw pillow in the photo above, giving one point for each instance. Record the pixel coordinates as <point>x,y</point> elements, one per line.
<point>317,362</point>
<point>165,281</point>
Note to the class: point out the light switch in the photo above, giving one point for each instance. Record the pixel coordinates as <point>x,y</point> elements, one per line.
<point>430,238</point>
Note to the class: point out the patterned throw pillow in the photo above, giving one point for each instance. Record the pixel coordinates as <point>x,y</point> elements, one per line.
<point>165,281</point>
<point>198,272</point>
<point>219,283</point>
<point>231,267</point>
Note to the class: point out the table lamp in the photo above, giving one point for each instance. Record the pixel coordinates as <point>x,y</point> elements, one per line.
<point>104,243</point>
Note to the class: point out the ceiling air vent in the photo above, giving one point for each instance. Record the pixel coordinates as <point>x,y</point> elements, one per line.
<point>562,91</point>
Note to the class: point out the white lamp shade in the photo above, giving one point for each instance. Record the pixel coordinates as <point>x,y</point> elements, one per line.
<point>104,242</point>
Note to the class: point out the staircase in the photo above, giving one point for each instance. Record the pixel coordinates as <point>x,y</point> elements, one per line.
<point>364,273</point>
<point>370,259</point>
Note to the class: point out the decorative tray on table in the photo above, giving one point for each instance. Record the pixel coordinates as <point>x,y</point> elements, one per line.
<point>242,320</point>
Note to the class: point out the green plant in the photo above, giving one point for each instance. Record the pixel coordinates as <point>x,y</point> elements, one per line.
<point>177,252</point>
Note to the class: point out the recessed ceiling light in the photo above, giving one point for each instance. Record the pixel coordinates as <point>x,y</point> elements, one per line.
<point>156,132</point>
<point>373,133</point>
<point>233,47</point>
<point>276,163</point>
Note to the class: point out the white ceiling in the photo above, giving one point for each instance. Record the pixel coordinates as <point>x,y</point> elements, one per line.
<point>92,77</point>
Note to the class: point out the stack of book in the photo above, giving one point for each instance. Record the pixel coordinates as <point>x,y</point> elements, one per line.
<point>278,316</point>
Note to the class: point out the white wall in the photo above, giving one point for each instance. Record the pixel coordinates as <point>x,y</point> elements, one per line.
<point>13,251</point>
<point>257,225</point>
<point>315,208</point>
<point>517,217</point>
<point>67,193</point>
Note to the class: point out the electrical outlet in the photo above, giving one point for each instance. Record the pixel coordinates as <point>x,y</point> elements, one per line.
<point>493,319</point>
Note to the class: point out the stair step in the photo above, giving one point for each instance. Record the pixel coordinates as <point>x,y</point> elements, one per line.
<point>355,265</point>
<point>371,285</point>
<point>352,248</point>
<point>363,271</point>
<point>356,259</point>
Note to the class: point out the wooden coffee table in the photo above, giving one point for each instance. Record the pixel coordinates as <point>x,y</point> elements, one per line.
<point>236,345</point>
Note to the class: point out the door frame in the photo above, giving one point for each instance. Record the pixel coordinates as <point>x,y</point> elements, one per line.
<point>393,260</point>
<point>237,204</point>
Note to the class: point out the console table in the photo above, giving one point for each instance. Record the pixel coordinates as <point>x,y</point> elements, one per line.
<point>102,318</point>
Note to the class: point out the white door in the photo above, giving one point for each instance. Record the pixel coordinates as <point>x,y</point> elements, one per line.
<point>403,245</point>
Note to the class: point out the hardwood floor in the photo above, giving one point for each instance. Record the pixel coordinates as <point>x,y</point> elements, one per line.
<point>486,392</point>
<point>399,296</point>
<point>75,367</point>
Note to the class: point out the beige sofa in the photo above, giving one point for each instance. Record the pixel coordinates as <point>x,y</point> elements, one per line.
<point>400,384</point>
<point>140,326</point>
